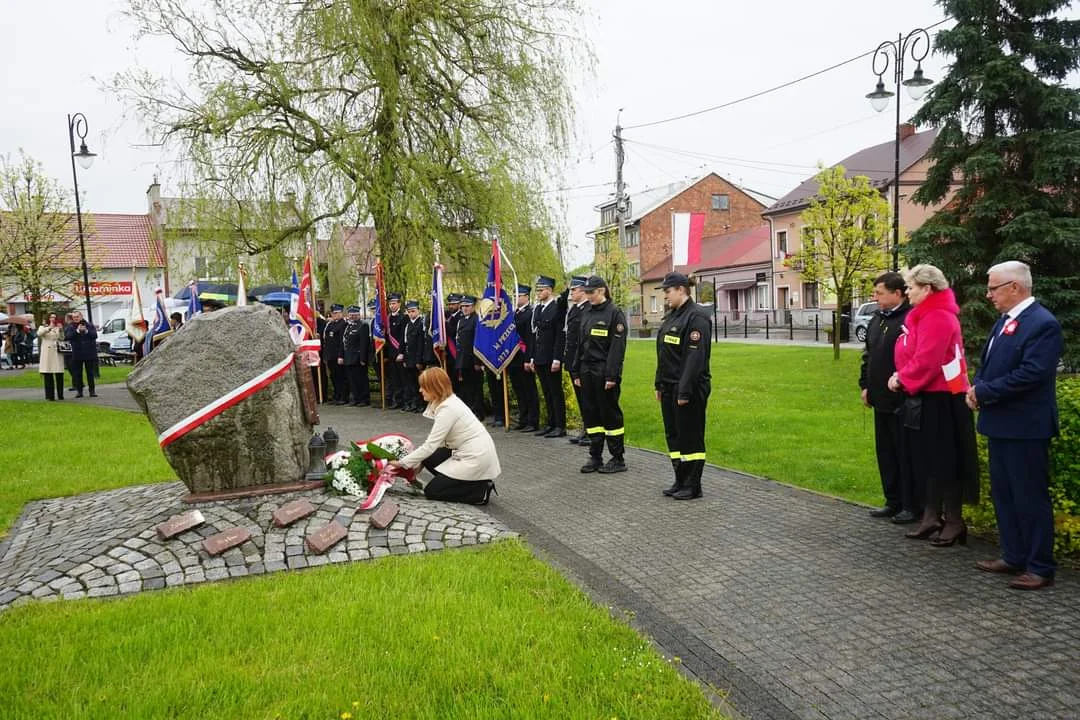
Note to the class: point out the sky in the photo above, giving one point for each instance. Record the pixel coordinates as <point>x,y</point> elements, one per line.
<point>653,61</point>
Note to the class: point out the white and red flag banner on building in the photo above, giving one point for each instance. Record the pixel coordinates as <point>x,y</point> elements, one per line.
<point>686,232</point>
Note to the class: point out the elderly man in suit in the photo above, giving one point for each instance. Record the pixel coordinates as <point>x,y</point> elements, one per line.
<point>1015,393</point>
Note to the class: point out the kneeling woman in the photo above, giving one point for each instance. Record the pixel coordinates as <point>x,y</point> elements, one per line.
<point>459,452</point>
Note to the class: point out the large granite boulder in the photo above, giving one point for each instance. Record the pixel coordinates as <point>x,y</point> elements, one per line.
<point>259,441</point>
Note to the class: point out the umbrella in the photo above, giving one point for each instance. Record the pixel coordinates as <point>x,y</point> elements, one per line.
<point>277,298</point>
<point>260,290</point>
<point>19,320</point>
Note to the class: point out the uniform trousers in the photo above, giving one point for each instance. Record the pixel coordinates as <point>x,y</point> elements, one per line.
<point>444,487</point>
<point>394,379</point>
<point>602,415</point>
<point>410,386</point>
<point>554,401</point>
<point>495,389</point>
<point>684,430</point>
<point>359,387</point>
<point>1019,487</point>
<point>471,387</point>
<point>340,381</point>
<point>528,400</point>
<point>897,483</point>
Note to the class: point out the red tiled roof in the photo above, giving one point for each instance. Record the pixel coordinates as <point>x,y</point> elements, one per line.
<point>119,241</point>
<point>359,244</point>
<point>745,247</point>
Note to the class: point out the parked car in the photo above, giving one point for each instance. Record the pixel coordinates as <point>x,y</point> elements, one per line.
<point>861,321</point>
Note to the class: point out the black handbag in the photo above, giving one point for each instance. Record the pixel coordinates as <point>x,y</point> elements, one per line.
<point>63,346</point>
<point>912,412</point>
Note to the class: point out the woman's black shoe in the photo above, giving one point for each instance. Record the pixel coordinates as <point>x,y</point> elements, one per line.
<point>923,532</point>
<point>950,540</point>
<point>487,494</point>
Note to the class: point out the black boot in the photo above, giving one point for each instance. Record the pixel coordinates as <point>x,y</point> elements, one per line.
<point>593,465</point>
<point>614,465</point>
<point>677,486</point>
<point>691,480</point>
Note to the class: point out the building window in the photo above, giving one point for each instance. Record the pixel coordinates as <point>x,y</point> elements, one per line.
<point>654,304</point>
<point>762,297</point>
<point>632,236</point>
<point>810,295</point>
<point>781,243</point>
<point>607,215</point>
<point>633,270</point>
<point>720,201</point>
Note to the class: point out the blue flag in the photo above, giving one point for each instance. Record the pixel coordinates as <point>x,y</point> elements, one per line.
<point>294,301</point>
<point>496,335</point>
<point>438,310</point>
<point>159,325</point>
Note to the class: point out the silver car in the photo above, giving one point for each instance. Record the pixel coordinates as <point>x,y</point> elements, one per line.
<point>861,321</point>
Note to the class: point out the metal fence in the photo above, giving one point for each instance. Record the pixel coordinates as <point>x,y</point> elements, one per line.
<point>802,325</point>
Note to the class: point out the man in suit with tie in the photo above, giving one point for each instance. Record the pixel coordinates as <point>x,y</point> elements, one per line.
<point>547,355</point>
<point>1015,393</point>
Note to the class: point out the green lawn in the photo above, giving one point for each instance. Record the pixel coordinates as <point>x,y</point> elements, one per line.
<point>484,633</point>
<point>32,378</point>
<point>788,413</point>
<point>57,449</point>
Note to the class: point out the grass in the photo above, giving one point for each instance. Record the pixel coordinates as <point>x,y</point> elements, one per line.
<point>469,634</point>
<point>31,378</point>
<point>788,413</point>
<point>57,449</point>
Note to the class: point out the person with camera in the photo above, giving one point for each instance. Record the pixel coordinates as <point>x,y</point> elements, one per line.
<point>83,338</point>
<point>51,365</point>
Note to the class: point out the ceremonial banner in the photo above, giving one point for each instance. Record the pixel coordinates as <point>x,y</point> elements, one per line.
<point>194,306</point>
<point>686,232</point>
<point>381,321</point>
<point>438,309</point>
<point>136,320</point>
<point>496,335</point>
<point>241,286</point>
<point>160,324</point>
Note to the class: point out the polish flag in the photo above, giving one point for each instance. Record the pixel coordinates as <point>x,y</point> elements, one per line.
<point>686,232</point>
<point>955,372</point>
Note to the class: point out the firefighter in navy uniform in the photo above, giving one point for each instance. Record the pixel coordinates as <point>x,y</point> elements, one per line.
<point>683,384</point>
<point>356,341</point>
<point>598,366</point>
<point>578,304</point>
<point>395,344</point>
<point>548,325</point>
<point>469,370</point>
<point>413,348</point>
<point>333,352</point>
<point>453,317</point>
<point>522,380</point>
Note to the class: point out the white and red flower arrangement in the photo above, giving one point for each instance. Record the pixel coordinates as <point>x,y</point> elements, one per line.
<point>364,471</point>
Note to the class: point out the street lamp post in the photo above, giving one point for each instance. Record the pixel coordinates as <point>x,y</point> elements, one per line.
<point>917,45</point>
<point>77,126</point>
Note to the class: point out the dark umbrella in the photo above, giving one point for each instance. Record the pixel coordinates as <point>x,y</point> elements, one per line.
<point>260,290</point>
<point>277,298</point>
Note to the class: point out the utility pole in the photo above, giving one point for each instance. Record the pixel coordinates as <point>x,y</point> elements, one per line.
<point>620,188</point>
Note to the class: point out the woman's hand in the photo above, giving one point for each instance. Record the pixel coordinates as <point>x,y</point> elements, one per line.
<point>894,383</point>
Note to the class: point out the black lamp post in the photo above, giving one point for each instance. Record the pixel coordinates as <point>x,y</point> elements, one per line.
<point>917,44</point>
<point>77,126</point>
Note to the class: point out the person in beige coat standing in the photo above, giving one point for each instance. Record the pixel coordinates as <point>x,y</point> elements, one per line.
<point>458,452</point>
<point>51,365</point>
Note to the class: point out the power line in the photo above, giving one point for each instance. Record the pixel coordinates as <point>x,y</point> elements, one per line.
<point>768,91</point>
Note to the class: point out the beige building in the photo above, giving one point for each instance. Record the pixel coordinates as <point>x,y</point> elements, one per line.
<point>791,290</point>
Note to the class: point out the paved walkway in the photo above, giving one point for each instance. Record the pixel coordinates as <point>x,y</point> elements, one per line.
<point>797,605</point>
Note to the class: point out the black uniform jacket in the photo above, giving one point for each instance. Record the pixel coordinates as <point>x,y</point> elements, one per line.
<point>452,320</point>
<point>414,341</point>
<point>878,363</point>
<point>573,335</point>
<point>523,322</point>
<point>683,347</point>
<point>466,337</point>
<point>549,341</point>
<point>356,340</point>
<point>332,346</point>
<point>397,332</point>
<point>602,346</point>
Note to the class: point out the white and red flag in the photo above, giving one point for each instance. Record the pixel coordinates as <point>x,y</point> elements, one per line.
<point>955,372</point>
<point>686,232</point>
<point>304,314</point>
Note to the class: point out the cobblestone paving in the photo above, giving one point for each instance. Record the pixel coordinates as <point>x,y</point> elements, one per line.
<point>104,544</point>
<point>796,605</point>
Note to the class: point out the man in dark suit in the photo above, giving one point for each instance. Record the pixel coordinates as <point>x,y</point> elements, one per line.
<point>878,365</point>
<point>1015,393</point>
<point>548,346</point>
<point>333,352</point>
<point>356,345</point>
<point>523,381</point>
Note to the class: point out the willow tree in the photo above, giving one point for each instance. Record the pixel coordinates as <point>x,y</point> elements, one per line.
<point>1010,135</point>
<point>843,238</point>
<point>424,117</point>
<point>39,243</point>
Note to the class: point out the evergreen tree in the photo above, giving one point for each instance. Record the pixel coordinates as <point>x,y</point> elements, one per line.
<point>1010,137</point>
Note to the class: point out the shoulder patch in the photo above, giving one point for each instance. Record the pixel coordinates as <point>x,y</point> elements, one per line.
<point>620,327</point>
<point>695,336</point>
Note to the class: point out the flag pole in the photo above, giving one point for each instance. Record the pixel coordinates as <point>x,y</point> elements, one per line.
<point>382,378</point>
<point>506,401</point>
<point>315,317</point>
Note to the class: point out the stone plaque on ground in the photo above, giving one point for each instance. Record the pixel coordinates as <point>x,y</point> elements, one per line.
<point>180,523</point>
<point>384,515</point>
<point>217,544</point>
<point>236,421</point>
<point>326,537</point>
<point>289,513</point>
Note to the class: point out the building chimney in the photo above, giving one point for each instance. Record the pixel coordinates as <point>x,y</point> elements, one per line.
<point>906,130</point>
<point>153,199</point>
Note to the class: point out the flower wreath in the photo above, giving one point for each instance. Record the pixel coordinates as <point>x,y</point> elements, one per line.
<point>354,471</point>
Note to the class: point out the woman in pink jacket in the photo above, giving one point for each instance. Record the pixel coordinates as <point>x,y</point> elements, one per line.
<point>932,373</point>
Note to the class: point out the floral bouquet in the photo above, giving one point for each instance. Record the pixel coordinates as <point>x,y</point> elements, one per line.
<point>364,471</point>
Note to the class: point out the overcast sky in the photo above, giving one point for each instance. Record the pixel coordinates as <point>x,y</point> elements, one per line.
<point>654,60</point>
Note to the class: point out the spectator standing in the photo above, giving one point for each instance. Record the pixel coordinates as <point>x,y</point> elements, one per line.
<point>83,338</point>
<point>1015,393</point>
<point>902,503</point>
<point>51,367</point>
